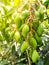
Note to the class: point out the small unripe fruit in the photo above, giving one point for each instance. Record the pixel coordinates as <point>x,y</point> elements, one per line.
<point>24,46</point>
<point>39,39</point>
<point>17,36</point>
<point>42,9</point>
<point>40,30</point>
<point>18,21</point>
<point>12,34</point>
<point>36,14</point>
<point>33,42</point>
<point>30,52</point>
<point>24,14</point>
<point>20,29</point>
<point>25,30</point>
<point>35,56</point>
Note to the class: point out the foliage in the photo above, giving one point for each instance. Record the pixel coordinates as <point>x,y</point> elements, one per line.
<point>24,32</point>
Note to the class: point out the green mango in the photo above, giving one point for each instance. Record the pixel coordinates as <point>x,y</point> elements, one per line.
<point>17,36</point>
<point>20,29</point>
<point>36,14</point>
<point>40,30</point>
<point>39,39</point>
<point>33,42</point>
<point>24,46</point>
<point>41,11</point>
<point>30,52</point>
<point>25,30</point>
<point>24,14</point>
<point>12,34</point>
<point>35,56</point>
<point>18,21</point>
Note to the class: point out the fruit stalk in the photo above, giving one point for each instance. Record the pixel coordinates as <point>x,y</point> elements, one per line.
<point>28,57</point>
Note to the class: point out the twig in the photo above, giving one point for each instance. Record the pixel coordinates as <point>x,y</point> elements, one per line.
<point>28,57</point>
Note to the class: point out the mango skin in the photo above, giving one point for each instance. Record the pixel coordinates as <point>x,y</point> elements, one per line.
<point>35,56</point>
<point>39,39</point>
<point>36,14</point>
<point>40,30</point>
<point>24,14</point>
<point>25,30</point>
<point>18,21</point>
<point>20,29</point>
<point>17,36</point>
<point>24,46</point>
<point>33,42</point>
